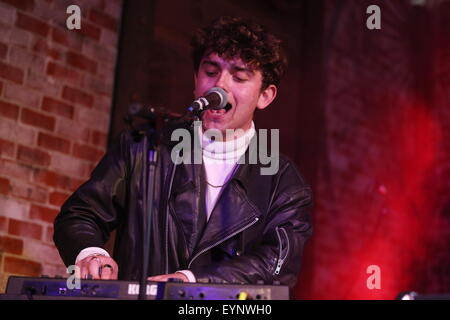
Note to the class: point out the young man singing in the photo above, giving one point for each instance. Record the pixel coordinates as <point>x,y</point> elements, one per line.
<point>219,221</point>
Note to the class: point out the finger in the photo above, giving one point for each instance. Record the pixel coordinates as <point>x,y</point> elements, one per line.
<point>115,271</point>
<point>158,278</point>
<point>84,271</point>
<point>106,271</point>
<point>94,267</point>
<point>78,270</point>
<point>110,267</point>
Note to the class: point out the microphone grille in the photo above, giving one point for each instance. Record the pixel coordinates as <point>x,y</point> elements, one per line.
<point>217,98</point>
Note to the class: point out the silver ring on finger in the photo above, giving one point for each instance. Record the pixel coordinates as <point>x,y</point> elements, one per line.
<point>108,266</point>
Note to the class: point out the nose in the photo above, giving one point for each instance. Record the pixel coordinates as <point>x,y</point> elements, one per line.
<point>223,81</point>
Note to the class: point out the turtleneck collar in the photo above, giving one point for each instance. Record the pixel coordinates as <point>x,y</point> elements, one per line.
<point>230,150</point>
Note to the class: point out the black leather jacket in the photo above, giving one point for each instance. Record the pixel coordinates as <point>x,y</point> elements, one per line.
<point>256,231</point>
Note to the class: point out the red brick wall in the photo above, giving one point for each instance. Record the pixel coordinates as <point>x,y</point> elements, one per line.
<point>55,101</point>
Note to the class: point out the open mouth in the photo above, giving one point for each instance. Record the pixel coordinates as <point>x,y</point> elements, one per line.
<point>227,108</point>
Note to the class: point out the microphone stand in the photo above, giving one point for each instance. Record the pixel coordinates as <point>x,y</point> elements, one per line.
<point>149,155</point>
<point>149,161</point>
<point>148,138</point>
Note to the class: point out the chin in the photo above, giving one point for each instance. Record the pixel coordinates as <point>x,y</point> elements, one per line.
<point>210,124</point>
<point>214,128</point>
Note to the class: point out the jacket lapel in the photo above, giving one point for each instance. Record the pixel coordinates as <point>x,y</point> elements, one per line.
<point>185,202</point>
<point>232,212</point>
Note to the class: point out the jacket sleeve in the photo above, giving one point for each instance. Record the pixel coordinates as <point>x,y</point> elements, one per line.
<point>277,256</point>
<point>94,209</point>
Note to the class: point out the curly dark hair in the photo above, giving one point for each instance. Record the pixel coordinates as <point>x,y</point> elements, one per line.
<point>232,37</point>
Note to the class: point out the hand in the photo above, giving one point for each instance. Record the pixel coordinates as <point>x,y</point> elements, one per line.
<point>165,277</point>
<point>99,267</point>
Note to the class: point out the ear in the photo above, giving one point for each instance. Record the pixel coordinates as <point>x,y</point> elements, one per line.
<point>266,96</point>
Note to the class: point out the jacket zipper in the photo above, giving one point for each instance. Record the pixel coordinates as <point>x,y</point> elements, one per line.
<point>281,260</point>
<point>222,240</point>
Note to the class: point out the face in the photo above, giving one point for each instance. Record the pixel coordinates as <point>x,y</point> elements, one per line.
<point>243,87</point>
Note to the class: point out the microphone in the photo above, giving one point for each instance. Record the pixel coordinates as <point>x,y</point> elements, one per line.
<point>215,98</point>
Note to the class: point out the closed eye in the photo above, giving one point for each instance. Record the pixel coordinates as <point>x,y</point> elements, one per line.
<point>238,79</point>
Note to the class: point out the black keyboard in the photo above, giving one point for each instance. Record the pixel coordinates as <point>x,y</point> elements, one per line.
<point>60,288</point>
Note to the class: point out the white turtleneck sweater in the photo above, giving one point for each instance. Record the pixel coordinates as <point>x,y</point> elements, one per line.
<point>220,160</point>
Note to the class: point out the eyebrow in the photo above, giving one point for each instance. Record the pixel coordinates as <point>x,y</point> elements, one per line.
<point>210,62</point>
<point>233,67</point>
